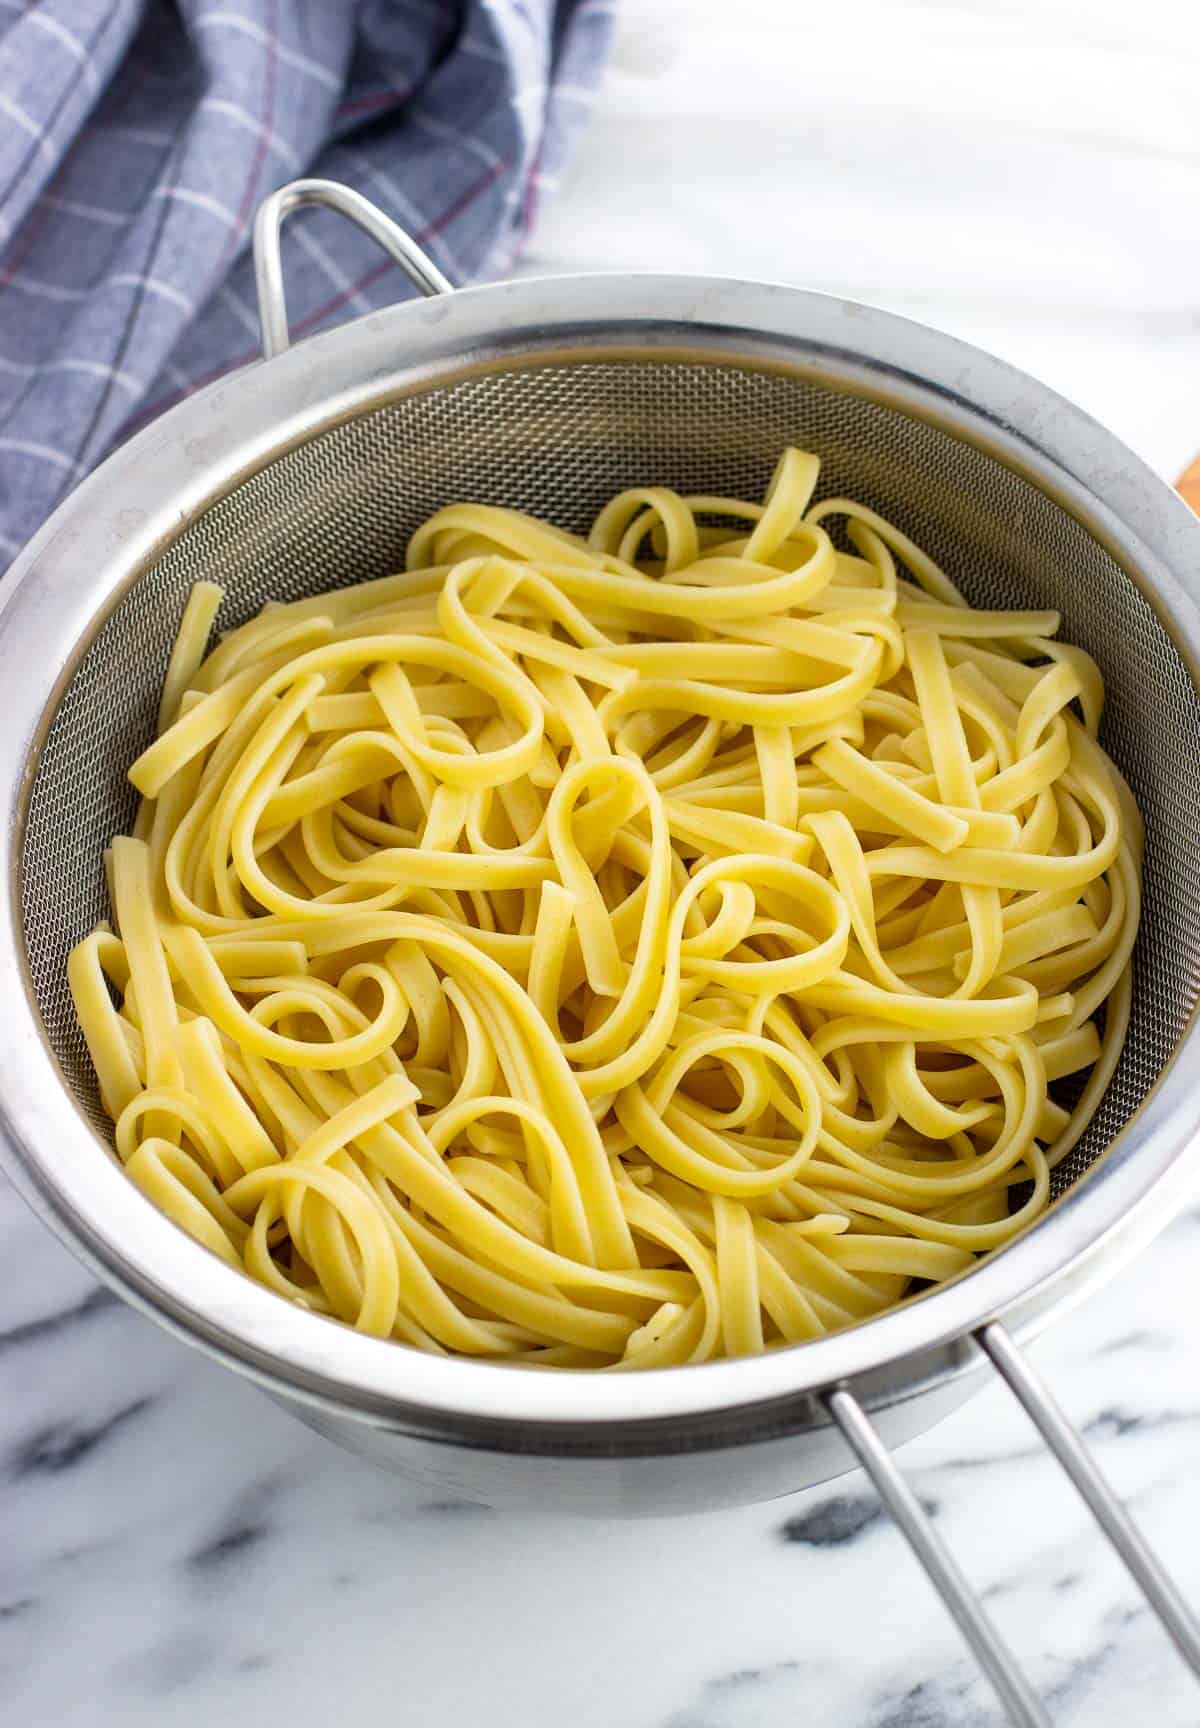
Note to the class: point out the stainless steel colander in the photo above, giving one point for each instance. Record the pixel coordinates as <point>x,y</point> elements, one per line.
<point>311,470</point>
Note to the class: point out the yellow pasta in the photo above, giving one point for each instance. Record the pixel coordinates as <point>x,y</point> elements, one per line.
<point>621,951</point>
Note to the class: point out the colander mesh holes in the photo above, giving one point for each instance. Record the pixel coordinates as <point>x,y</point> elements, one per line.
<point>559,441</point>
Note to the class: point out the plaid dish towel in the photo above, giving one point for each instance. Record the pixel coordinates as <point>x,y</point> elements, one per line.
<point>138,137</point>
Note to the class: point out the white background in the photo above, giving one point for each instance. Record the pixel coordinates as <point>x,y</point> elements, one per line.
<point>1023,173</point>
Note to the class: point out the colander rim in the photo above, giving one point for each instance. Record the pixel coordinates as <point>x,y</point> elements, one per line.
<point>58,592</point>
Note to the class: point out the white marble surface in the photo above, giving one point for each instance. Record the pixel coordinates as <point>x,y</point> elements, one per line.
<point>175,1551</point>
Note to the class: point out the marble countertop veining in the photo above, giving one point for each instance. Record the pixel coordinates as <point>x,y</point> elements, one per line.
<point>176,1551</point>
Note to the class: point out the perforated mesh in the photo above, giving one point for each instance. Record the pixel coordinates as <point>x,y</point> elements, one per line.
<point>559,440</point>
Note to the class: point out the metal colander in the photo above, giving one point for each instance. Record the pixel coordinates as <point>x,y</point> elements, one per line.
<point>312,472</point>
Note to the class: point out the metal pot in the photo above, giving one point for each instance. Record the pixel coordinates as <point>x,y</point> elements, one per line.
<point>310,469</point>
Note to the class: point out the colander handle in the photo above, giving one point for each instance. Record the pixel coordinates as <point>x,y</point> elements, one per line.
<point>1064,1440</point>
<point>329,195</point>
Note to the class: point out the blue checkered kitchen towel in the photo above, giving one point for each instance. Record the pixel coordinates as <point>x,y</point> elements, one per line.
<point>137,138</point>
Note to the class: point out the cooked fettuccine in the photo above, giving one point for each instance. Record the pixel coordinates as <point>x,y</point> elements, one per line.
<point>616,951</point>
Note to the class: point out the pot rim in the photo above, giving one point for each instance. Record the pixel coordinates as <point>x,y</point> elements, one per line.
<point>119,520</point>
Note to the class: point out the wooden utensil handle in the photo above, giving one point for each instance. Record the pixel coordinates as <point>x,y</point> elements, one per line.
<point>1189,485</point>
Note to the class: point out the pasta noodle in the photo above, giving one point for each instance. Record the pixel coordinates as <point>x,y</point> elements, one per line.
<point>621,951</point>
